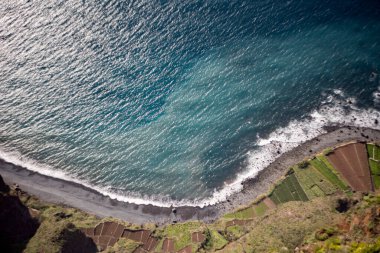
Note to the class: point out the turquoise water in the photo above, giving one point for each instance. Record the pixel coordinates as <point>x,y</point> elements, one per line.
<point>171,102</point>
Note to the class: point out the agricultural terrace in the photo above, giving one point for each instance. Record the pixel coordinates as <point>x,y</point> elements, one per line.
<point>345,169</point>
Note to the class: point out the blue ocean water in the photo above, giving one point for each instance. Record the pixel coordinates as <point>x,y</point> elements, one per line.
<point>177,102</point>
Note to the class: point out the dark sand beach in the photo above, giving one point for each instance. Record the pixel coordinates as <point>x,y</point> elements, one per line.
<point>75,195</point>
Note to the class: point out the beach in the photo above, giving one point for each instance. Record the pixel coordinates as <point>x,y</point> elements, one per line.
<point>75,195</point>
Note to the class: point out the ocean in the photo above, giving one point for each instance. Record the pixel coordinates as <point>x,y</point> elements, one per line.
<point>178,102</point>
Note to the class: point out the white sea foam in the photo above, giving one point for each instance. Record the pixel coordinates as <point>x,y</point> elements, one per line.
<point>335,110</point>
<point>376,96</point>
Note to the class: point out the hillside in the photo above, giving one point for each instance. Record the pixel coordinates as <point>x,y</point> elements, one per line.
<point>329,203</point>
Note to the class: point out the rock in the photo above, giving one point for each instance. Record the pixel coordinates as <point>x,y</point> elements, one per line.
<point>16,223</point>
<point>3,187</point>
<point>62,215</point>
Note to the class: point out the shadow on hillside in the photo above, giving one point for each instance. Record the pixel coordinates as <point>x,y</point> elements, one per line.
<point>17,225</point>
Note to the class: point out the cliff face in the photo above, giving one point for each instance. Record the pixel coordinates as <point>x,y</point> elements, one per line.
<point>29,225</point>
<point>17,225</point>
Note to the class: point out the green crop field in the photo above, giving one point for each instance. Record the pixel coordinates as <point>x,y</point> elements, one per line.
<point>373,151</point>
<point>260,208</point>
<point>181,233</point>
<point>375,167</point>
<point>288,190</point>
<point>374,163</point>
<point>313,182</point>
<point>370,149</point>
<point>298,191</point>
<point>328,173</point>
<point>243,214</point>
<point>274,198</point>
<point>376,181</point>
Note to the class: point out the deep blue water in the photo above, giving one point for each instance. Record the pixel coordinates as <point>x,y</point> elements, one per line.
<point>176,100</point>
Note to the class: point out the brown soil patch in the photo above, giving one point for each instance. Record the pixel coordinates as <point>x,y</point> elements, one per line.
<point>187,249</point>
<point>139,250</point>
<point>352,162</point>
<point>108,233</point>
<point>151,244</point>
<point>168,245</point>
<point>197,237</point>
<point>237,222</point>
<point>98,229</point>
<point>138,236</point>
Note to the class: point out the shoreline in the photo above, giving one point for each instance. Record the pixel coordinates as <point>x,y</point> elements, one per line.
<point>75,195</point>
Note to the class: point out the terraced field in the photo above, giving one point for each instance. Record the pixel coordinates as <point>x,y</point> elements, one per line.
<point>313,182</point>
<point>351,167</point>
<point>352,163</point>
<point>257,209</point>
<point>327,170</point>
<point>374,164</point>
<point>288,190</point>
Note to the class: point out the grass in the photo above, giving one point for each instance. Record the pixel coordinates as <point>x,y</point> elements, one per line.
<point>260,208</point>
<point>218,241</point>
<point>244,214</point>
<point>123,245</point>
<point>248,213</point>
<point>234,232</point>
<point>234,248</point>
<point>78,218</point>
<point>181,233</point>
<point>328,173</point>
<point>55,232</point>
<point>288,226</point>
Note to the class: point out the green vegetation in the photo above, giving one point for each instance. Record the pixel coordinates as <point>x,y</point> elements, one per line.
<point>181,233</point>
<point>243,214</point>
<point>218,241</point>
<point>234,232</point>
<point>288,190</point>
<point>373,151</point>
<point>370,150</point>
<point>247,213</point>
<point>78,218</point>
<point>328,172</point>
<point>287,226</point>
<point>376,181</point>
<point>375,167</point>
<point>327,151</point>
<point>260,208</point>
<point>54,236</point>
<point>60,227</point>
<point>123,245</point>
<point>374,163</point>
<point>207,243</point>
<point>313,182</point>
<point>303,164</point>
<point>300,220</point>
